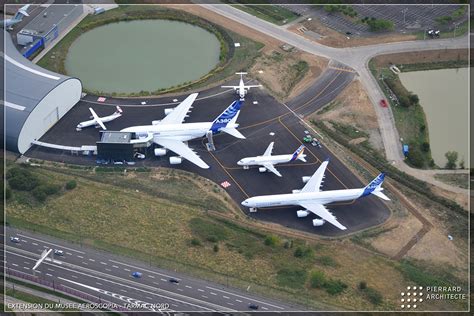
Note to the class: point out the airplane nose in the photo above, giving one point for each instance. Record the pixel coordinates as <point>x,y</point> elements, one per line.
<point>244,203</point>
<point>239,162</point>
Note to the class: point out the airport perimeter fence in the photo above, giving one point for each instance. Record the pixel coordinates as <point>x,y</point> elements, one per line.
<point>61,288</point>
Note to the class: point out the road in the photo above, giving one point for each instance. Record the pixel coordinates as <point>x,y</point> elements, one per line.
<point>108,277</point>
<point>356,58</point>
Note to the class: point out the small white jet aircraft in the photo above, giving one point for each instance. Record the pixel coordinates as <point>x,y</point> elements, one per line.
<point>267,161</point>
<point>171,133</point>
<point>8,23</point>
<point>313,199</point>
<point>242,89</point>
<point>99,121</point>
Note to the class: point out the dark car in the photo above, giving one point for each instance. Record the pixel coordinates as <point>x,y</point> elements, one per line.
<point>136,275</point>
<point>383,103</point>
<point>174,280</point>
<point>253,306</point>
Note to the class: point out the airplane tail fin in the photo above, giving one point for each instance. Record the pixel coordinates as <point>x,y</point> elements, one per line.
<point>299,154</point>
<point>241,73</point>
<point>228,117</point>
<point>375,188</point>
<point>21,13</point>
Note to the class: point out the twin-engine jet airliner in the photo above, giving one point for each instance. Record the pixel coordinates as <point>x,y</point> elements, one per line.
<point>99,121</point>
<point>171,133</point>
<point>313,199</point>
<point>17,18</point>
<point>267,161</point>
<point>242,89</point>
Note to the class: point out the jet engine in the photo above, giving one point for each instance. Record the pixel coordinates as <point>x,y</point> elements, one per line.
<point>175,160</point>
<point>305,179</point>
<point>262,169</point>
<point>160,152</point>
<point>302,213</point>
<point>168,111</point>
<point>318,222</point>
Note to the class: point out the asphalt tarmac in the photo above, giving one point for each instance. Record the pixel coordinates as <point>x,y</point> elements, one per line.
<point>262,123</point>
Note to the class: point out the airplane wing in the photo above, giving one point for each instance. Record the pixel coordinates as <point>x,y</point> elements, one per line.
<point>269,150</point>
<point>314,183</point>
<point>97,119</point>
<point>253,86</point>
<point>181,149</point>
<point>232,87</point>
<point>23,10</point>
<point>178,115</point>
<point>271,168</point>
<point>322,212</point>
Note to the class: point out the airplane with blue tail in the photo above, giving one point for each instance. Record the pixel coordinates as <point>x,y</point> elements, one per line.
<point>313,200</point>
<point>171,133</point>
<point>267,162</point>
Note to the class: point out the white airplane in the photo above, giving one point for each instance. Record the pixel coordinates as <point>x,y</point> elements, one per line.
<point>242,89</point>
<point>267,161</point>
<point>99,121</point>
<point>171,133</point>
<point>17,18</point>
<point>313,199</point>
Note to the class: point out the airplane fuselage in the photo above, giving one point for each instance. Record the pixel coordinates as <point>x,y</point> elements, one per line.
<point>104,119</point>
<point>181,132</point>
<point>294,199</point>
<point>262,160</point>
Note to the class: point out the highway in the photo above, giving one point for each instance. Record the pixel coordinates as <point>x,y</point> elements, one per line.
<point>356,58</point>
<point>108,277</point>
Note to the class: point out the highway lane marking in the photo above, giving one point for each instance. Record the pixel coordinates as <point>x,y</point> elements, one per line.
<point>26,262</point>
<point>68,253</point>
<point>150,298</point>
<point>122,290</point>
<point>50,270</point>
<point>127,269</point>
<point>263,307</point>
<point>80,257</point>
<point>174,305</point>
<point>103,263</point>
<point>189,287</point>
<point>150,276</point>
<point>26,268</point>
<point>107,269</point>
<point>164,280</point>
<point>189,298</point>
<point>115,267</point>
<point>84,263</point>
<point>74,276</point>
<point>181,290</point>
<point>49,274</point>
<point>225,297</point>
<point>156,283</point>
<point>250,299</point>
<point>212,293</point>
<point>92,260</point>
<point>34,243</point>
<point>98,283</point>
<point>14,264</point>
<point>56,245</point>
<point>150,271</point>
<point>204,296</point>
<point>23,240</point>
<point>238,301</point>
<point>201,290</point>
<point>229,303</point>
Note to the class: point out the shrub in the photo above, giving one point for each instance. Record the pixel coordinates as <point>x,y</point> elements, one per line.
<point>23,183</point>
<point>50,189</point>
<point>208,230</point>
<point>317,279</point>
<point>415,157</point>
<point>334,287</point>
<point>71,184</point>
<point>212,239</point>
<point>362,285</point>
<point>195,242</point>
<point>271,240</point>
<point>425,146</point>
<point>301,252</point>
<point>39,194</point>
<point>326,261</point>
<point>292,277</point>
<point>288,244</point>
<point>373,296</point>
<point>216,248</point>
<point>379,25</point>
<point>414,100</point>
<point>452,157</point>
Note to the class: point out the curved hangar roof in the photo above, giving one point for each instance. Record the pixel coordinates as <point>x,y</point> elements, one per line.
<point>35,98</point>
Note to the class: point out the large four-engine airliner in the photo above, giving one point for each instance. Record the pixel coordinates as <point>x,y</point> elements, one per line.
<point>17,18</point>
<point>242,89</point>
<point>171,132</point>
<point>99,121</point>
<point>313,199</point>
<point>267,161</point>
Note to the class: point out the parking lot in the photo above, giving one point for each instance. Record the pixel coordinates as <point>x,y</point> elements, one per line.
<point>266,121</point>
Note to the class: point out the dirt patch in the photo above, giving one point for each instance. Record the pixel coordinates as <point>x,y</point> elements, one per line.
<point>330,37</point>
<point>431,56</point>
<point>286,74</point>
<point>401,230</point>
<point>353,107</point>
<point>460,198</point>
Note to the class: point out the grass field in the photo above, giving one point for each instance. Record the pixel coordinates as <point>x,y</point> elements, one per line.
<point>149,217</point>
<point>460,180</point>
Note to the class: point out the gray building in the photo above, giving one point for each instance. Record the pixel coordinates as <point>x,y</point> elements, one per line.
<point>47,25</point>
<point>35,98</point>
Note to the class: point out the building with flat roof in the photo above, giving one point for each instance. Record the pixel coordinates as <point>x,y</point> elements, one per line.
<point>35,98</point>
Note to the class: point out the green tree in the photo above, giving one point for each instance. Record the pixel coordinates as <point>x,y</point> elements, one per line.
<point>362,285</point>
<point>452,157</point>
<point>216,248</point>
<point>415,157</point>
<point>425,146</point>
<point>71,184</point>
<point>414,100</point>
<point>462,164</point>
<point>271,240</point>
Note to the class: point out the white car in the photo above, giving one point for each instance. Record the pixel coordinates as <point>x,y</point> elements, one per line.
<point>58,252</point>
<point>139,156</point>
<point>15,239</point>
